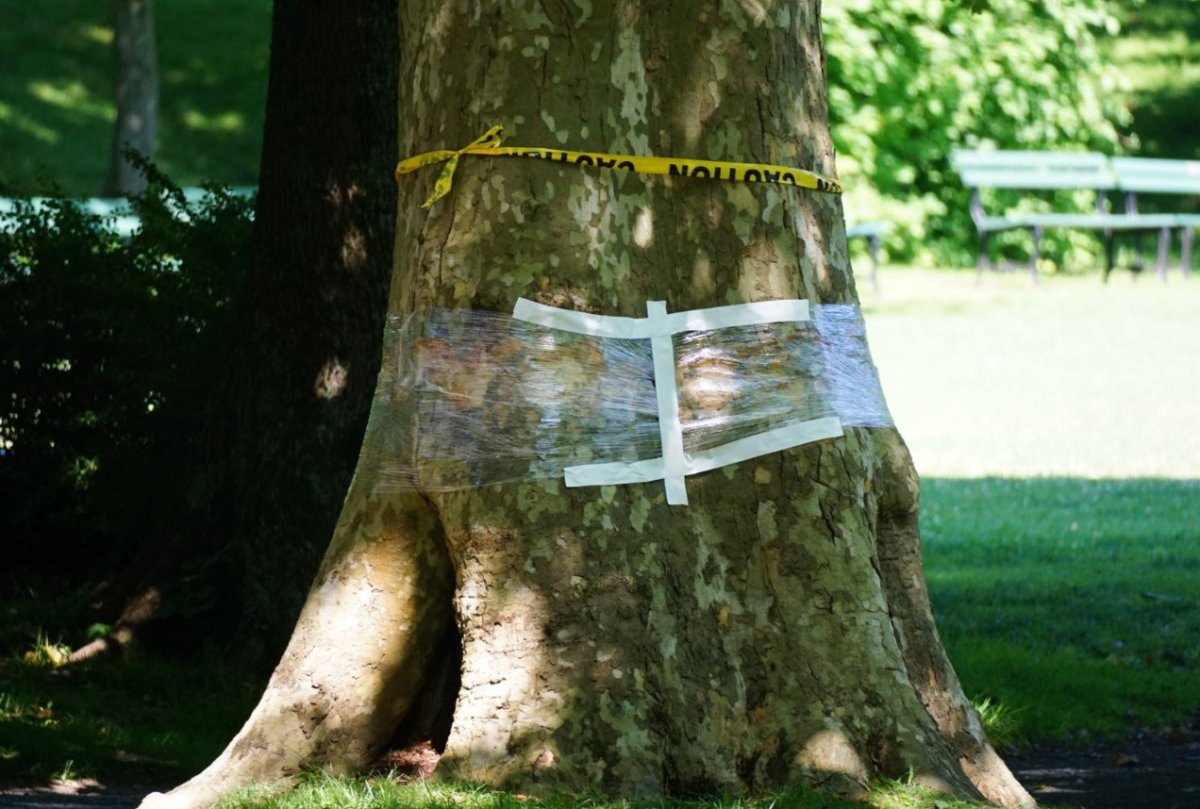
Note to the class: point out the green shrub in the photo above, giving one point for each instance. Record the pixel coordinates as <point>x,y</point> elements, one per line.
<point>911,80</point>
<point>112,352</point>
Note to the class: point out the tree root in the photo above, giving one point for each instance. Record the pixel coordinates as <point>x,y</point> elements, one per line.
<point>360,649</point>
<point>928,666</point>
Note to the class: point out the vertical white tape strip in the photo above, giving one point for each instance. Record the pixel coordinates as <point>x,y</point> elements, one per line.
<point>659,327</point>
<point>669,427</point>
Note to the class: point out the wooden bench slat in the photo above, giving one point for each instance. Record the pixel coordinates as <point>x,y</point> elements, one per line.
<point>1038,180</point>
<point>1043,171</point>
<point>965,159</point>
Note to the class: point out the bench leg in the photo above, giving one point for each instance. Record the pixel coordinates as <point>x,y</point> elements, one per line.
<point>1036,254</point>
<point>1185,250</point>
<point>1110,253</point>
<point>1164,247</point>
<point>981,261</point>
<point>1139,262</point>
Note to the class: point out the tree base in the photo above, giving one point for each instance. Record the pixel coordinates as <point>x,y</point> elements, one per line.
<point>614,644</point>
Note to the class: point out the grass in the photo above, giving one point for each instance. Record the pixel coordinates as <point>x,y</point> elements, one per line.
<point>1074,378</point>
<point>321,792</point>
<point>1055,431</point>
<point>57,109</point>
<point>141,719</point>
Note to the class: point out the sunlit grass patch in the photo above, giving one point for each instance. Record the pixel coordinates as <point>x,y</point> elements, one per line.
<point>1071,378</point>
<point>322,792</point>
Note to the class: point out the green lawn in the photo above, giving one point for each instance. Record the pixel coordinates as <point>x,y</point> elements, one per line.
<point>56,92</point>
<point>1055,429</point>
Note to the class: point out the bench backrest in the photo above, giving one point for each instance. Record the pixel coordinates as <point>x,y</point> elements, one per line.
<point>1154,176</point>
<point>1033,170</point>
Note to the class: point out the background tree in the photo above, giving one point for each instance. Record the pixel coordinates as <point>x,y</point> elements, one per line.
<point>778,629</point>
<point>136,94</point>
<point>315,299</point>
<point>283,431</point>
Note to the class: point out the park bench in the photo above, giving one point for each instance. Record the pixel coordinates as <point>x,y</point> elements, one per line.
<point>1048,171</point>
<point>1141,175</point>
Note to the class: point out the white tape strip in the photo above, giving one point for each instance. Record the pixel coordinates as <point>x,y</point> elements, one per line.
<point>744,449</point>
<point>640,328</point>
<point>739,314</point>
<point>658,327</point>
<point>632,328</point>
<point>669,428</point>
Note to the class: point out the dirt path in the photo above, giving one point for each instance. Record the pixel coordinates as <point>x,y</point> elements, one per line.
<point>1150,774</point>
<point>84,794</point>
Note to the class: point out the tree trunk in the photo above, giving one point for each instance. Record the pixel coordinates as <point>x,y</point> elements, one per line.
<point>315,299</point>
<point>777,630</point>
<point>286,429</point>
<point>136,94</point>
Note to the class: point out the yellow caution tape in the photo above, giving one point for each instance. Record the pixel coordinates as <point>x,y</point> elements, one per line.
<point>489,145</point>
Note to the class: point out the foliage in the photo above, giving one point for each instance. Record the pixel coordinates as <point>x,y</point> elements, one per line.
<point>112,350</point>
<point>910,81</point>
<point>56,92</point>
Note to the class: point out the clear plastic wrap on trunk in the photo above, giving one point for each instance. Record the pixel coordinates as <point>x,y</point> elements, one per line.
<point>469,398</point>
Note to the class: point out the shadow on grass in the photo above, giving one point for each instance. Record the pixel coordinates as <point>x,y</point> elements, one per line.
<point>1071,605</point>
<point>129,721</point>
<point>1161,64</point>
<point>1074,604</point>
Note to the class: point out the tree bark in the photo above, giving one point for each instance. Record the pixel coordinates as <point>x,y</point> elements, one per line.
<point>314,302</point>
<point>776,631</point>
<point>136,94</point>
<point>285,429</point>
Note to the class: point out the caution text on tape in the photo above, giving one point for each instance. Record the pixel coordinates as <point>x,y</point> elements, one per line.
<point>489,145</point>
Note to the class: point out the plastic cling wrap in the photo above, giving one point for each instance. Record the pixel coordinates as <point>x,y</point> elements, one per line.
<point>469,398</point>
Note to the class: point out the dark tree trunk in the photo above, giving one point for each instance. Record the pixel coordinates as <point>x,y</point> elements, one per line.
<point>136,94</point>
<point>286,429</point>
<point>315,299</point>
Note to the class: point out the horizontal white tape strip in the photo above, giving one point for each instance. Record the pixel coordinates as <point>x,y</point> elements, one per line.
<point>744,449</point>
<point>637,328</point>
<point>658,328</point>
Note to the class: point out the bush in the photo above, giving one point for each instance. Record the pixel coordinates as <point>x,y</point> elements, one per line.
<point>112,353</point>
<point>911,80</point>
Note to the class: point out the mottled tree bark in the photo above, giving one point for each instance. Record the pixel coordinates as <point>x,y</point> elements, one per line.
<point>776,631</point>
<point>136,94</point>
